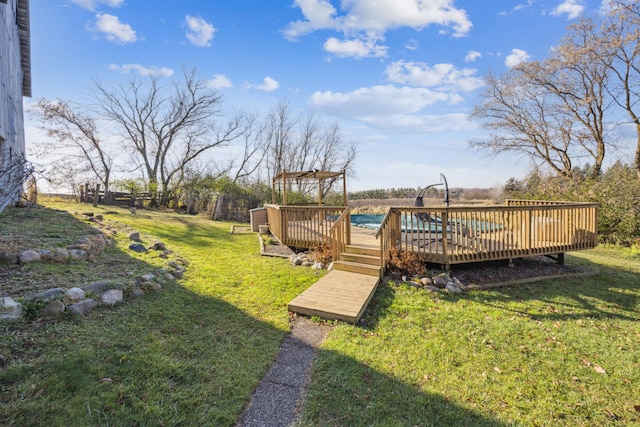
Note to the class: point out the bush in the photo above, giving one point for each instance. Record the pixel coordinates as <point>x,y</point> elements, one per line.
<point>617,191</point>
<point>405,263</point>
<point>322,253</point>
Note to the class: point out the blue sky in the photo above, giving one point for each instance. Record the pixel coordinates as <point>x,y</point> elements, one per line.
<point>399,76</point>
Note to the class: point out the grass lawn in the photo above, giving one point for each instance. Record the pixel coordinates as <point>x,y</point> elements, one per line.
<point>190,354</point>
<point>560,352</point>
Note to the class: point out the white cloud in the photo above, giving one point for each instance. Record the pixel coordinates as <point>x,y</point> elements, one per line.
<point>411,123</point>
<point>354,48</point>
<point>92,4</point>
<point>472,55</point>
<point>219,81</point>
<point>364,22</point>
<point>373,103</point>
<point>441,76</point>
<point>378,16</point>
<point>411,45</point>
<point>572,8</point>
<point>200,32</point>
<point>113,29</point>
<point>142,70</point>
<point>516,57</point>
<point>268,85</point>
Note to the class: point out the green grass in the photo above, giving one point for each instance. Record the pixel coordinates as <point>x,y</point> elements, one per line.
<point>190,354</point>
<point>562,352</point>
<point>559,353</point>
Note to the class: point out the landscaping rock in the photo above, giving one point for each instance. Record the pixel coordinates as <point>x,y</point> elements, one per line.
<point>75,294</point>
<point>426,281</point>
<point>60,255</point>
<point>112,297</point>
<point>159,246</point>
<point>431,288</point>
<point>49,293</point>
<point>29,256</point>
<point>452,288</point>
<point>83,307</point>
<point>148,277</point>
<point>8,259</point>
<point>52,309</point>
<point>135,236</point>
<point>137,292</point>
<point>441,280</point>
<point>295,260</point>
<point>307,263</point>
<point>330,266</point>
<point>178,273</point>
<point>45,254</point>
<point>99,217</point>
<point>137,247</point>
<point>169,276</point>
<point>10,310</point>
<point>78,254</point>
<point>318,266</point>
<point>101,286</point>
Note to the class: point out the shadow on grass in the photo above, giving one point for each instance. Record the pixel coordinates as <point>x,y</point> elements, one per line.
<point>168,357</point>
<point>345,392</point>
<point>610,293</point>
<point>173,357</point>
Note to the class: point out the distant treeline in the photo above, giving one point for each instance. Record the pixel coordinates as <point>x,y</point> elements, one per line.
<point>409,193</point>
<point>382,193</point>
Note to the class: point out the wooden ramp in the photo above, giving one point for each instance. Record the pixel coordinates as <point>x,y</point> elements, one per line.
<point>340,295</point>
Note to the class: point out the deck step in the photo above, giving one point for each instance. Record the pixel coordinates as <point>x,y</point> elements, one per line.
<point>362,250</point>
<point>356,267</point>
<point>360,258</point>
<point>339,295</point>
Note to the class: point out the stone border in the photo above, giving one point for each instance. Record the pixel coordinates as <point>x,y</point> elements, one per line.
<point>54,302</point>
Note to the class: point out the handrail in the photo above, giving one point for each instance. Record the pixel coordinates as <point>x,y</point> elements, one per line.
<point>385,219</point>
<point>340,233</point>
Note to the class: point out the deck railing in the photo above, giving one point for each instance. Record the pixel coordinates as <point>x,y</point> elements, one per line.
<point>303,226</point>
<point>340,233</point>
<point>452,235</point>
<point>470,234</point>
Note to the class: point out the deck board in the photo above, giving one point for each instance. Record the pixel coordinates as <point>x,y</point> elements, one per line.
<point>339,295</point>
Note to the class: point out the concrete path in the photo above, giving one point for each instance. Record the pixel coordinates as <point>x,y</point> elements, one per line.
<point>277,399</point>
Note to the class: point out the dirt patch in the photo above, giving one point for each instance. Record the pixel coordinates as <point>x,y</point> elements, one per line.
<point>273,247</point>
<point>497,272</point>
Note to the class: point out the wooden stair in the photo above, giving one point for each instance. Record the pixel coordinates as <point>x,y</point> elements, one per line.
<point>359,259</point>
<point>344,293</point>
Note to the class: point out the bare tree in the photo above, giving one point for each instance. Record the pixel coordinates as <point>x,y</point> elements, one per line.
<point>553,111</point>
<point>524,119</point>
<point>76,140</point>
<point>15,170</point>
<point>618,48</point>
<point>167,127</point>
<point>254,149</point>
<point>303,143</point>
<point>578,80</point>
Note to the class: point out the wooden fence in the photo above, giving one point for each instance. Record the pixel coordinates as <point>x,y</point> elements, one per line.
<point>303,226</point>
<point>471,234</point>
<point>451,235</point>
<point>96,195</point>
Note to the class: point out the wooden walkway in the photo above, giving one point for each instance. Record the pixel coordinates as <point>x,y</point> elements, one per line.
<point>339,295</point>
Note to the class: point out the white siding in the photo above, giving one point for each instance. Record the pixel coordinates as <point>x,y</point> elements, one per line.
<point>11,77</point>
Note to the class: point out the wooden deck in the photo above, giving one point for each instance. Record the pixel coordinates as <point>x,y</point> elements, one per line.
<point>339,295</point>
<point>439,235</point>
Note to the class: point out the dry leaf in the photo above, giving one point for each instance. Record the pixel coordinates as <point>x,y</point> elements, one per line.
<point>599,369</point>
<point>497,370</point>
<point>38,393</point>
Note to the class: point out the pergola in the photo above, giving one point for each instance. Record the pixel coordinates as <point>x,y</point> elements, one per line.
<point>287,178</point>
